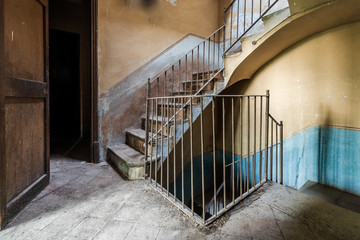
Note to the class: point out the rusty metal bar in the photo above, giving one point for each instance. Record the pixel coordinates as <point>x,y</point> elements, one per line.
<point>214,154</point>
<point>192,71</point>
<point>244,17</point>
<point>152,138</point>
<point>162,142</point>
<point>248,153</point>
<point>260,146</point>
<point>168,147</point>
<point>173,78</point>
<point>203,69</point>
<point>208,60</point>
<point>198,63</point>
<point>238,17</point>
<point>182,153</point>
<point>224,47</point>
<point>241,144</point>
<point>276,147</point>
<point>146,126</point>
<point>156,140</point>
<point>179,75</point>
<point>267,109</point>
<point>218,48</point>
<point>202,159</point>
<point>174,149</point>
<point>281,151</point>
<point>224,149</point>
<point>231,20</point>
<point>186,69</point>
<point>213,71</point>
<point>271,149</point>
<point>233,150</point>
<point>191,158</point>
<point>252,11</point>
<point>254,156</point>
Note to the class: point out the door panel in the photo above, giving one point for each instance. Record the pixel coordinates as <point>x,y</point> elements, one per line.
<point>24,124</point>
<point>24,39</point>
<point>24,143</point>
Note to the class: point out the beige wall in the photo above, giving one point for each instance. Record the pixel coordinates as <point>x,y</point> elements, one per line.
<point>315,82</point>
<point>131,32</point>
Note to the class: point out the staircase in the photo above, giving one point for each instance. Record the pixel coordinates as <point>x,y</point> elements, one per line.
<point>128,158</point>
<point>186,147</point>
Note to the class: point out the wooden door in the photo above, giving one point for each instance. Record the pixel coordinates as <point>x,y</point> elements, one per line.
<point>24,101</point>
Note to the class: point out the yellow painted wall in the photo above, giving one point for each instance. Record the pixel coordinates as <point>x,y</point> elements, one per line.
<point>132,32</point>
<point>314,82</point>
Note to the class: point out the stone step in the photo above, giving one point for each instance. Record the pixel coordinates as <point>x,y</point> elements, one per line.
<point>126,161</point>
<point>159,121</point>
<point>135,138</point>
<point>185,99</point>
<point>195,85</point>
<point>206,75</point>
<point>177,106</point>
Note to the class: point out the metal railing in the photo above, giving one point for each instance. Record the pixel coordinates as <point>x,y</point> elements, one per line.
<point>241,16</point>
<point>203,174</point>
<point>214,152</point>
<point>197,67</point>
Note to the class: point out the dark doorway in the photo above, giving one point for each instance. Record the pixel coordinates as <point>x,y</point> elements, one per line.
<point>70,78</point>
<point>65,89</point>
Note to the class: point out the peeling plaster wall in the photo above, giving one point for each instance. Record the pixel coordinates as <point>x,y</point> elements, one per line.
<point>137,40</point>
<point>132,32</point>
<point>315,86</point>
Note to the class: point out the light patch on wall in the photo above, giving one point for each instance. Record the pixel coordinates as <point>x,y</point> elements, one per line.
<point>172,2</point>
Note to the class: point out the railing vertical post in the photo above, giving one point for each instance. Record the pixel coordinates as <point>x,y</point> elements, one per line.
<point>214,154</point>
<point>182,152</point>
<point>174,149</point>
<point>191,157</point>
<point>281,151</point>
<point>224,47</point>
<point>202,158</point>
<point>147,126</point>
<point>224,148</point>
<point>267,132</point>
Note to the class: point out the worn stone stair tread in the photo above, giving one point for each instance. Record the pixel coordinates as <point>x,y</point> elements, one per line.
<point>137,132</point>
<point>130,156</point>
<point>159,119</point>
<point>202,72</point>
<point>177,105</point>
<point>196,81</point>
<point>184,93</point>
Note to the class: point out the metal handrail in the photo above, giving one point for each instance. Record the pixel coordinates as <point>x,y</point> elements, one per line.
<point>253,22</point>
<point>175,62</point>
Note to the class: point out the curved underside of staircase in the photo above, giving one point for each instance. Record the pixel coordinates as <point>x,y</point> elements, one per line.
<point>289,29</point>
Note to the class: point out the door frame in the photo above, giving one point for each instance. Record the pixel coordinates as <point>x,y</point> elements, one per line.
<point>2,120</point>
<point>94,138</point>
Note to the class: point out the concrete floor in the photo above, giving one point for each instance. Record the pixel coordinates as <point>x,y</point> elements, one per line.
<point>332,195</point>
<point>85,201</point>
